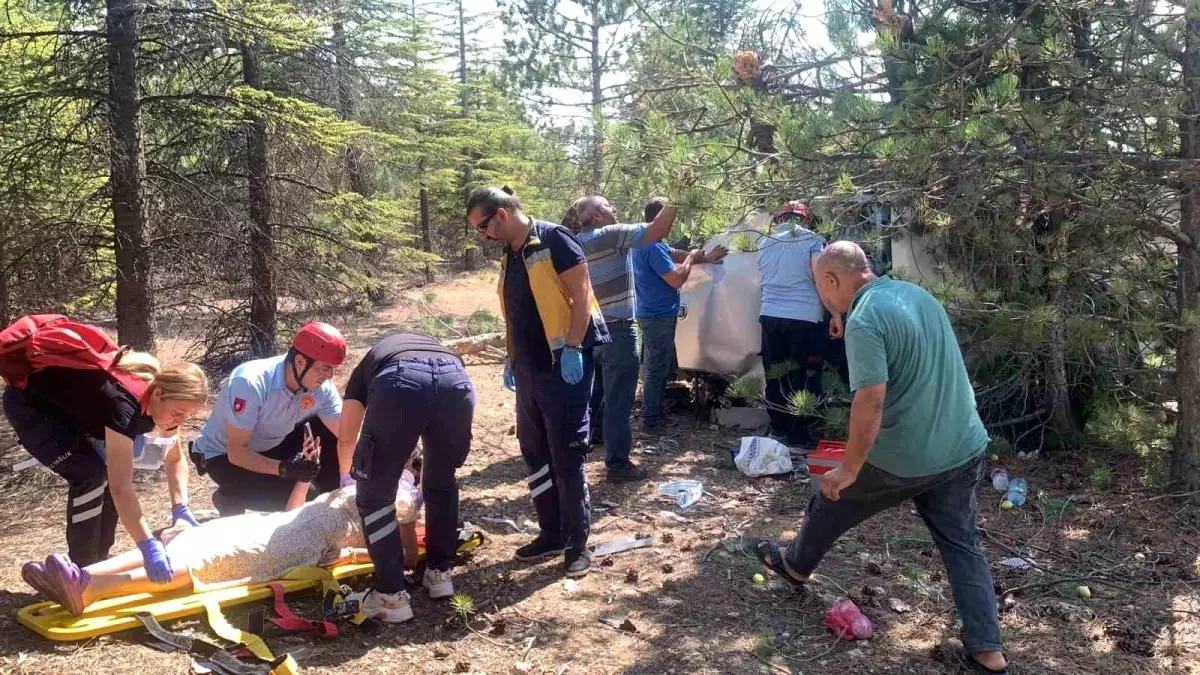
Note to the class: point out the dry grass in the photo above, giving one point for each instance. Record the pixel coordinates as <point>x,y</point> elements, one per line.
<point>690,596</point>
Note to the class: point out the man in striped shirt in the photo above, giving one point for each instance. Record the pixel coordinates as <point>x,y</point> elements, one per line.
<point>607,244</point>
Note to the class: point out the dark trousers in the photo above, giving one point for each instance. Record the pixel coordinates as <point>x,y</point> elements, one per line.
<point>658,359</point>
<point>613,392</point>
<point>552,429</point>
<point>239,490</point>
<point>431,399</point>
<point>948,503</point>
<point>65,450</point>
<point>794,352</point>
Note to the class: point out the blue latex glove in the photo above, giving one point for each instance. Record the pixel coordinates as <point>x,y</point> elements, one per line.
<point>572,365</point>
<point>345,479</point>
<point>182,512</point>
<point>510,381</point>
<point>155,560</point>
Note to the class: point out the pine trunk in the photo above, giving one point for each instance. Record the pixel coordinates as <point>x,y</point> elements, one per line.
<point>467,170</point>
<point>1058,391</point>
<point>5,307</point>
<point>263,301</point>
<point>351,156</point>
<point>135,307</point>
<point>597,100</point>
<point>1058,388</point>
<point>1185,456</point>
<point>426,233</point>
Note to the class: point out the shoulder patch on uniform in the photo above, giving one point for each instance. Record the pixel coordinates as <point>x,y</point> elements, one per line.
<point>239,405</point>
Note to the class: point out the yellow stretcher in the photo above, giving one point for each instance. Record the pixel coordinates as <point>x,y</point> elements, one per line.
<point>112,615</point>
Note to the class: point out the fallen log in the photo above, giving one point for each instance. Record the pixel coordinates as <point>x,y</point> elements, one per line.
<point>476,343</point>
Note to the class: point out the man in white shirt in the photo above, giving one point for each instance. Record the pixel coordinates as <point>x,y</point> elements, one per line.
<point>794,334</point>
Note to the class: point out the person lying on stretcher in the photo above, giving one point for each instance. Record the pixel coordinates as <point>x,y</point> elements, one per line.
<point>246,549</point>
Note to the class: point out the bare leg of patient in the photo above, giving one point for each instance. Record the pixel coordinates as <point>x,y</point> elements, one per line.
<point>129,560</point>
<point>130,581</point>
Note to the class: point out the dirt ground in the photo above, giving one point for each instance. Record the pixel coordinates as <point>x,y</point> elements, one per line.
<point>690,599</point>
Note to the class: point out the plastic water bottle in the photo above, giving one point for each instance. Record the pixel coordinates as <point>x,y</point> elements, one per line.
<point>1016,491</point>
<point>1000,478</point>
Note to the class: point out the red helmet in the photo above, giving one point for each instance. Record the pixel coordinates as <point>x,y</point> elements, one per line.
<point>797,207</point>
<point>320,342</point>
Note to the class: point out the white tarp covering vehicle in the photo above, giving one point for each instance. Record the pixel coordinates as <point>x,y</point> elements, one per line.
<point>718,330</point>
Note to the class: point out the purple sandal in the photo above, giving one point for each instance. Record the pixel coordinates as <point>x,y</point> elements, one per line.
<point>67,582</point>
<point>34,574</point>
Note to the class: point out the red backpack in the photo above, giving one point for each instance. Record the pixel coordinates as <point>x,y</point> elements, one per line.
<point>38,341</point>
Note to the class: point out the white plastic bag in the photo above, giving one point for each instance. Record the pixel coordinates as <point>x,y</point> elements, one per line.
<point>685,492</point>
<point>763,457</point>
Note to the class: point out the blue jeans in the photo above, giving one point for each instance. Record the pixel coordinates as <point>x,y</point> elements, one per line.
<point>658,357</point>
<point>427,398</point>
<point>617,369</point>
<point>948,503</point>
<point>552,430</point>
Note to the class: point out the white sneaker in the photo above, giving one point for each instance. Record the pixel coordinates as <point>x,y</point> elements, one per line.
<point>438,583</point>
<point>387,607</point>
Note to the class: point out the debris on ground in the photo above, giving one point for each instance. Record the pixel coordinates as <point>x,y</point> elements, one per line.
<point>621,545</point>
<point>754,420</point>
<point>1065,611</point>
<point>847,622</point>
<point>1016,563</point>
<point>619,624</point>
<point>761,456</point>
<point>671,515</point>
<point>685,492</point>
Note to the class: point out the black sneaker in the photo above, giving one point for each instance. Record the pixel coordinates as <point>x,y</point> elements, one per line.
<point>537,550</point>
<point>577,563</point>
<point>626,474</point>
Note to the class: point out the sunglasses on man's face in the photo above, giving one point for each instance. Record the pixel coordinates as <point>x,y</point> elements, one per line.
<point>482,225</point>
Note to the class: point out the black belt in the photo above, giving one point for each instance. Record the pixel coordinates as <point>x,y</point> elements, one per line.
<point>198,459</point>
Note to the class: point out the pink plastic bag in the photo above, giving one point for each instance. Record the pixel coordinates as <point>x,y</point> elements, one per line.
<point>847,622</point>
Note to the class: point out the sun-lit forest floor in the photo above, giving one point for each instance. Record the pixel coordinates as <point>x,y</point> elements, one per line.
<point>690,599</point>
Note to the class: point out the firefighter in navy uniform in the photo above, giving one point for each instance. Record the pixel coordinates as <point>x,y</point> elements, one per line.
<point>408,387</point>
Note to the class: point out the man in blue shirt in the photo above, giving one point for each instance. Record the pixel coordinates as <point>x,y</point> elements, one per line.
<point>256,444</point>
<point>608,244</point>
<point>657,280</point>
<point>794,336</point>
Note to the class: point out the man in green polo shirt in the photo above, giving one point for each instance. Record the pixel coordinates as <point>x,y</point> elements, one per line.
<point>914,434</point>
